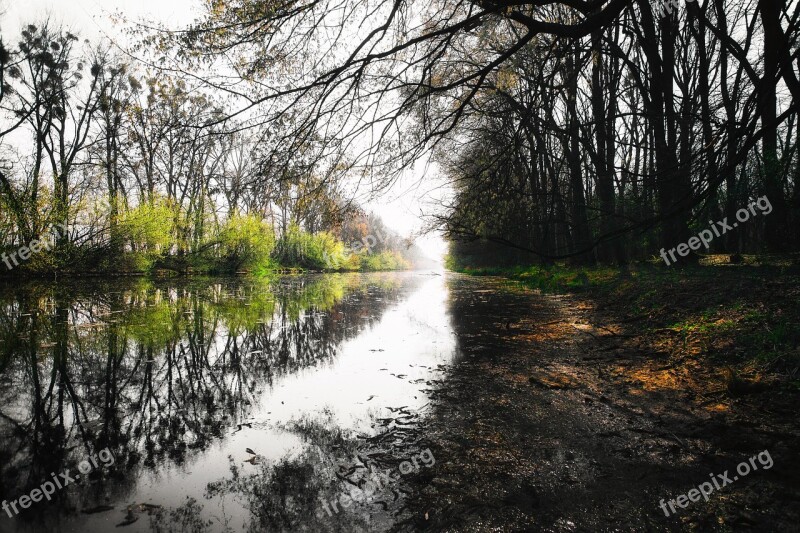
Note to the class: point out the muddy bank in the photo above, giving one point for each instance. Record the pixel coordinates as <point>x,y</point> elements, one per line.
<point>568,413</point>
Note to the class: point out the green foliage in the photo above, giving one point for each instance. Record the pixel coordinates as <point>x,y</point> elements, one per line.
<point>552,278</point>
<point>148,228</point>
<point>246,243</point>
<point>154,324</point>
<point>323,251</point>
<point>319,251</point>
<point>161,211</point>
<point>153,235</point>
<point>321,294</point>
<point>131,262</point>
<point>384,261</point>
<point>351,263</point>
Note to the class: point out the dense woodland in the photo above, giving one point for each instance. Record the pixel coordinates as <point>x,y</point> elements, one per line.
<point>570,382</point>
<point>636,136</point>
<point>584,130</point>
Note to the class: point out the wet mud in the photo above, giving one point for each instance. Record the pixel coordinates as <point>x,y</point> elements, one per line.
<point>560,417</point>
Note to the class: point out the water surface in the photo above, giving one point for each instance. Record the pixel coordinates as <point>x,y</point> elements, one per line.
<point>179,379</point>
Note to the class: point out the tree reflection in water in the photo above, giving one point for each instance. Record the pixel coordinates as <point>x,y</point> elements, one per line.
<point>154,370</point>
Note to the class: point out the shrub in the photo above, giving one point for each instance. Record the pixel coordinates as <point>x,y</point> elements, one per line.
<point>384,261</point>
<point>148,228</point>
<point>246,243</point>
<point>322,251</point>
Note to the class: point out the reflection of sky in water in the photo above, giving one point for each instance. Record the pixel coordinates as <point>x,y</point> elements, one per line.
<point>385,365</point>
<point>381,363</point>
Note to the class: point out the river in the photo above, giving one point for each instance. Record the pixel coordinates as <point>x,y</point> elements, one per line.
<point>214,404</point>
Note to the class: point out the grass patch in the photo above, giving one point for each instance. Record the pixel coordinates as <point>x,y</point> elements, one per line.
<point>550,279</point>
<point>746,317</point>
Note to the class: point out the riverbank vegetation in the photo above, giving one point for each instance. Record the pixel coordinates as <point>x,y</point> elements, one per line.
<point>109,167</point>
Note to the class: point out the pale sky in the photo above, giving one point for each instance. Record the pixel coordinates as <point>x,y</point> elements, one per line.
<point>400,208</point>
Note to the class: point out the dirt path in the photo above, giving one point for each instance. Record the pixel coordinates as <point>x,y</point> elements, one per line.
<point>558,418</point>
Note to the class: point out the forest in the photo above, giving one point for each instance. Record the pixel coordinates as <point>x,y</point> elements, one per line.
<point>400,265</point>
<point>563,136</point>
<point>610,147</point>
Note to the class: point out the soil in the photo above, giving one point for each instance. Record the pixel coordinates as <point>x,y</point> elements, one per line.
<point>575,413</point>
